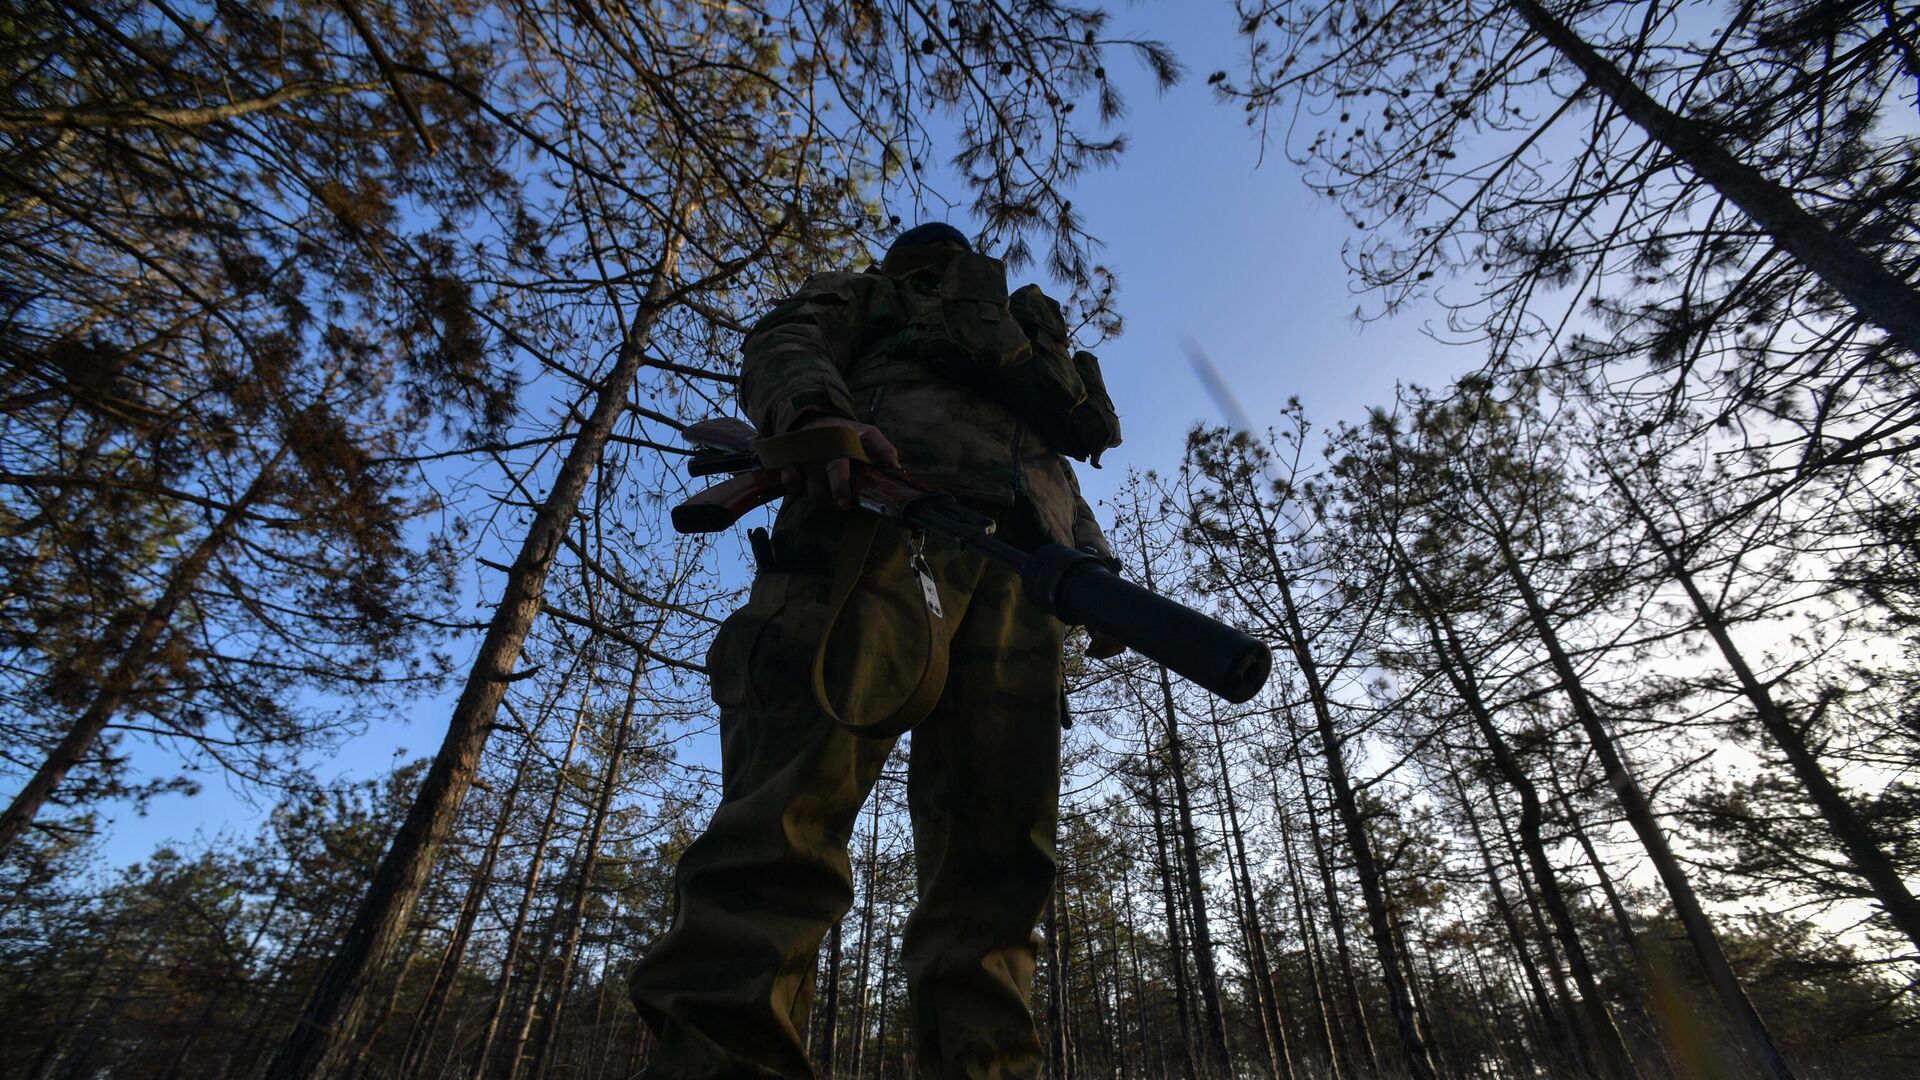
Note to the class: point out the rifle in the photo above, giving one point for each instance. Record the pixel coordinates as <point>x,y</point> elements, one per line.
<point>1076,586</point>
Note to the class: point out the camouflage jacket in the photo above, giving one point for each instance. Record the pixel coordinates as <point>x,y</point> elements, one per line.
<point>850,345</point>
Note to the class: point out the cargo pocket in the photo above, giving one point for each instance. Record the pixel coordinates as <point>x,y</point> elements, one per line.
<point>762,654</point>
<point>886,658</point>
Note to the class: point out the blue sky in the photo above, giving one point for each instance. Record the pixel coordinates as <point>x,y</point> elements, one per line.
<point>1211,246</point>
<point>1216,248</point>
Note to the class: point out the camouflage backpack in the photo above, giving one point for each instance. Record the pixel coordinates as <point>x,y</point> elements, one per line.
<point>1013,348</point>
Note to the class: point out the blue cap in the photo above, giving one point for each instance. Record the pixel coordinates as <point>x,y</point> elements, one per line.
<point>931,233</point>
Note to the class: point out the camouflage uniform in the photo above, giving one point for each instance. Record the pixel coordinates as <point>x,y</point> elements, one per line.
<point>729,989</point>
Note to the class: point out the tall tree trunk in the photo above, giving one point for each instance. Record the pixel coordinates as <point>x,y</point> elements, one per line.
<point>1141,1025</point>
<point>371,1036</point>
<point>1215,1024</point>
<point>1273,1032</point>
<point>1421,1012</point>
<point>318,1041</point>
<point>1108,1016</point>
<point>1876,292</point>
<point>497,1007</point>
<point>124,676</point>
<point>1604,1049</point>
<point>1176,943</point>
<point>1399,1002</point>
<point>589,861</point>
<point>1059,1044</point>
<point>1530,971</point>
<point>1749,1028</point>
<point>1219,1062</point>
<point>1362,1034</point>
<point>1530,893</point>
<point>880,1035</point>
<point>830,1006</point>
<point>1870,861</point>
<point>1332,1038</point>
<point>421,1040</point>
<point>863,962</point>
<point>1622,918</point>
<point>1418,1061</point>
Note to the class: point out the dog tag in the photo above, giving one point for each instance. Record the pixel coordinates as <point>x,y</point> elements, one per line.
<point>922,573</point>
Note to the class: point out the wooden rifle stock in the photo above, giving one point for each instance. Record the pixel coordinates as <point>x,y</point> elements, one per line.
<point>718,507</point>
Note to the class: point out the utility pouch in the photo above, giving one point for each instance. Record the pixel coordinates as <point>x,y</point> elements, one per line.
<point>1061,398</point>
<point>1094,424</point>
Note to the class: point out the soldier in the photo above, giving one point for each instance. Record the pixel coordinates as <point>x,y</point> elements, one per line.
<point>856,630</point>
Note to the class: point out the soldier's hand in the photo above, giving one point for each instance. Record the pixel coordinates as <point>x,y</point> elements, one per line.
<point>833,477</point>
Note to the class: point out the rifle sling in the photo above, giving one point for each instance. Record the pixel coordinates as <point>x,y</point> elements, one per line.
<point>846,576</point>
<point>808,445</point>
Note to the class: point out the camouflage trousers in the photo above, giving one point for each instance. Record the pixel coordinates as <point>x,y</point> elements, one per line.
<point>729,989</point>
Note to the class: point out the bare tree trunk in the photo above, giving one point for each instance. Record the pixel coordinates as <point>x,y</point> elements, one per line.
<point>385,1016</point>
<point>498,1007</point>
<point>1876,292</point>
<point>1600,1040</point>
<point>1419,1063</point>
<point>1176,939</point>
<point>880,1037</point>
<point>1362,1034</point>
<point>863,963</point>
<point>1870,861</point>
<point>1332,1039</point>
<point>1750,1029</point>
<point>1219,1062</point>
<point>421,1040</point>
<point>318,1042</point>
<point>1428,1031</point>
<point>583,886</point>
<point>1059,1046</point>
<point>1107,1016</point>
<point>126,673</point>
<point>1550,1016</point>
<point>1141,1025</point>
<point>1622,919</point>
<point>1273,1032</point>
<point>831,1005</point>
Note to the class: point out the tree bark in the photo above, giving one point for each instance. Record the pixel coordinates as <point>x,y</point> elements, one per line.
<point>1219,1063</point>
<point>1870,861</point>
<point>830,1006</point>
<point>1603,1047</point>
<point>498,1007</point>
<point>120,681</point>
<point>1273,1032</point>
<point>1529,970</point>
<point>583,886</point>
<point>421,1040</point>
<point>1059,1044</point>
<point>1747,1024</point>
<point>1176,945</point>
<point>1876,292</point>
<point>1332,1038</point>
<point>1418,1061</point>
<point>1362,1035</point>
<point>863,963</point>
<point>317,1044</point>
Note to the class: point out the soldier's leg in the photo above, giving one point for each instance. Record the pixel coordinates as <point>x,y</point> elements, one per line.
<point>983,787</point>
<point>728,989</point>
